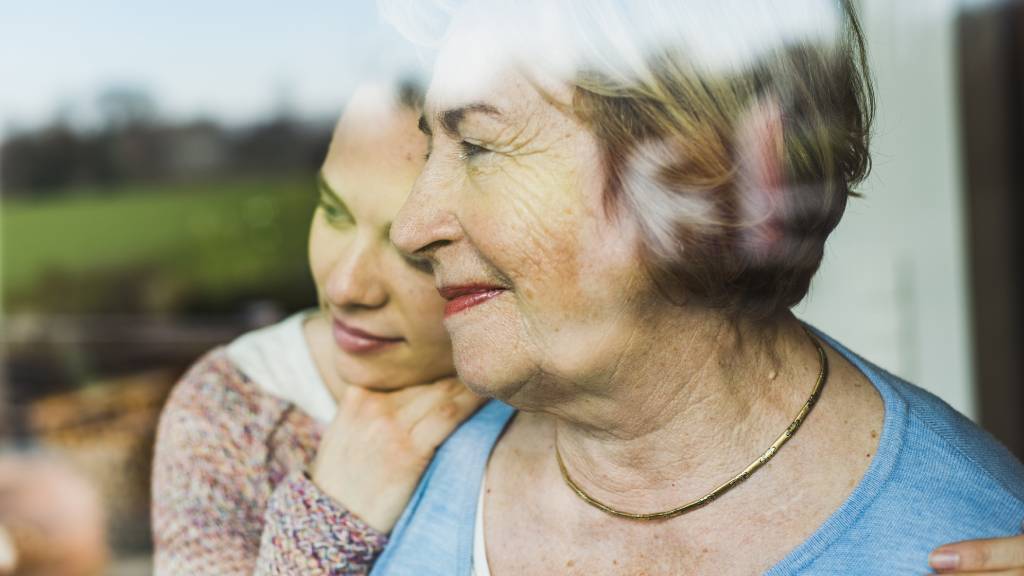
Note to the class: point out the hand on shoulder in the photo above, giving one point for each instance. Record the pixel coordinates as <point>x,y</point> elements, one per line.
<point>379,444</point>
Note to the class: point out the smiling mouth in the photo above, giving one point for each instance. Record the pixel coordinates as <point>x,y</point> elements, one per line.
<point>463,297</point>
<point>356,341</point>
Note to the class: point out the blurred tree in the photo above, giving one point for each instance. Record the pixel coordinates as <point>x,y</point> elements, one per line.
<point>124,107</point>
<point>132,145</point>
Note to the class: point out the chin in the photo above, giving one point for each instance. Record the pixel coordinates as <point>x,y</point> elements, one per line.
<point>484,348</point>
<point>488,370</point>
<point>393,371</point>
<point>365,375</point>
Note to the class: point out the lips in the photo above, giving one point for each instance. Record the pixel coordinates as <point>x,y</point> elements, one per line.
<point>465,296</point>
<point>356,341</point>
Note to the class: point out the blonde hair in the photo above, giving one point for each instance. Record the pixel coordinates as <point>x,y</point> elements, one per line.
<point>673,141</point>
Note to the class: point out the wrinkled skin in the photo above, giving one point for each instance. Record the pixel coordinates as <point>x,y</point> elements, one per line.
<point>525,211</point>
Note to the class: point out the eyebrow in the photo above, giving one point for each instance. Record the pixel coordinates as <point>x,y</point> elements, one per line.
<point>449,120</point>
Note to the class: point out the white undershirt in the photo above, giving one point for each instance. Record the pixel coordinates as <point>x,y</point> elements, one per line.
<point>278,360</point>
<point>480,567</point>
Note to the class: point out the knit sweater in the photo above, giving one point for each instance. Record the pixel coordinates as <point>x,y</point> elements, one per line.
<point>230,493</point>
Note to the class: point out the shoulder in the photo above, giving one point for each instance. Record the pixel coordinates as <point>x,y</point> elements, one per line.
<point>935,478</point>
<point>280,361</point>
<point>216,392</point>
<point>222,445</point>
<point>945,442</point>
<point>217,418</point>
<point>947,479</point>
<point>946,454</point>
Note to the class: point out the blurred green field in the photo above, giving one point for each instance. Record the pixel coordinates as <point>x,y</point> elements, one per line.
<point>210,240</point>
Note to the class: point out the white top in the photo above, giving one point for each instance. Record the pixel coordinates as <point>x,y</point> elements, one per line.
<point>480,567</point>
<point>278,360</point>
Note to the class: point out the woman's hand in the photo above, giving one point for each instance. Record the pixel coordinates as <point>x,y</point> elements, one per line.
<point>994,557</point>
<point>372,455</point>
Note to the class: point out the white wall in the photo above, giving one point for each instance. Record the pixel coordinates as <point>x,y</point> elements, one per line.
<point>893,286</point>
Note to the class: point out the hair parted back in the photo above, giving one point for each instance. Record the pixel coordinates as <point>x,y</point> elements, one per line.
<point>733,131</point>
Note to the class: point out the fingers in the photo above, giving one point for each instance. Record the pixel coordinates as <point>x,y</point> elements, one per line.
<point>980,556</point>
<point>437,424</point>
<point>425,414</point>
<point>416,402</point>
<point>405,404</point>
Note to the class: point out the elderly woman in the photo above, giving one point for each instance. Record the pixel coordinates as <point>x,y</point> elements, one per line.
<point>620,215</point>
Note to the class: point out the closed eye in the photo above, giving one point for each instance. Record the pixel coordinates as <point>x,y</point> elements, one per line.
<point>335,211</point>
<point>469,149</point>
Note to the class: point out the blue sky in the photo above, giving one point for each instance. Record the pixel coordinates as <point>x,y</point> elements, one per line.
<point>233,60</point>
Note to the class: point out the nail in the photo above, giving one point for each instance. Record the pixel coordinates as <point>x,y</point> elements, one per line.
<point>944,560</point>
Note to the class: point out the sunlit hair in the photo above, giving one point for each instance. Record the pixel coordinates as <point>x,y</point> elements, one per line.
<point>410,93</point>
<point>733,131</point>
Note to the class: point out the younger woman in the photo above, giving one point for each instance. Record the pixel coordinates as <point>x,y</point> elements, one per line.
<point>231,492</point>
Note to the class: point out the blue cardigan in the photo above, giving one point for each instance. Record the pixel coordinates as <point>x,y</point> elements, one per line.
<point>935,478</point>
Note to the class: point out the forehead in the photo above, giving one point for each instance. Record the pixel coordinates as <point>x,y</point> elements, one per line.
<point>375,156</point>
<point>513,93</point>
<point>482,60</point>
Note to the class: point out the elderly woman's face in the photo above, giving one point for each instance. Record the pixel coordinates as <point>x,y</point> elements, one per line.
<point>543,286</point>
<point>386,315</point>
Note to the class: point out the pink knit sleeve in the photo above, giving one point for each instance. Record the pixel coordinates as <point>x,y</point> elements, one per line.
<point>307,532</point>
<point>214,500</point>
<point>203,487</point>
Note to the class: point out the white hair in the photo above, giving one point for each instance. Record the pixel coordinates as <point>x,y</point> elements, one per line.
<point>614,36</point>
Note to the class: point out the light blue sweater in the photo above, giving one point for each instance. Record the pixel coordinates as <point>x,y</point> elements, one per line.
<point>935,478</point>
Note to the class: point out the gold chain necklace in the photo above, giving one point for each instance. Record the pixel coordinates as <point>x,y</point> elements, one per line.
<point>739,478</point>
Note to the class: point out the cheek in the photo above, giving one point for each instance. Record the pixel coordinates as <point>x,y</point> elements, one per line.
<point>427,310</point>
<point>529,215</point>
<point>574,267</point>
<point>424,312</point>
<point>325,243</point>
<point>318,265</point>
<point>544,224</point>
<point>421,306</point>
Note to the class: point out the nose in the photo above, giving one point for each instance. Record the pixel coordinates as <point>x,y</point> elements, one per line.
<point>355,280</point>
<point>427,221</point>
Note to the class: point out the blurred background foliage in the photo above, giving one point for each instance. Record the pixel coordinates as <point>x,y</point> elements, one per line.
<point>157,178</point>
<point>128,249</point>
<point>147,216</point>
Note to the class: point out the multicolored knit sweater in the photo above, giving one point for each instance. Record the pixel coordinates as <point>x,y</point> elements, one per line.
<point>230,493</point>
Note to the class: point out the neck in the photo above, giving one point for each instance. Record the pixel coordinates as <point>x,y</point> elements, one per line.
<point>679,416</point>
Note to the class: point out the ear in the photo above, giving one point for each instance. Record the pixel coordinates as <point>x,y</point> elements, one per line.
<point>760,181</point>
